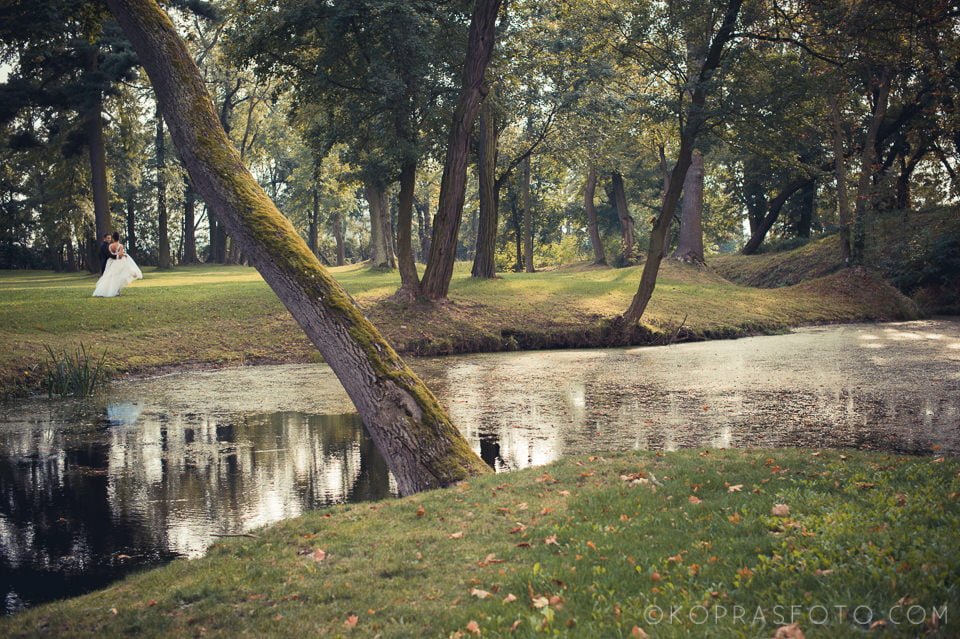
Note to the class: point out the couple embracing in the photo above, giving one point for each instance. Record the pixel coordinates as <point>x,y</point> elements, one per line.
<point>117,268</point>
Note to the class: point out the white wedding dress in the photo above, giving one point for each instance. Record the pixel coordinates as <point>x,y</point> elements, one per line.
<point>118,274</point>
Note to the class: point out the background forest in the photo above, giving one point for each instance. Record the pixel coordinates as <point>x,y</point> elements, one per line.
<point>331,104</point>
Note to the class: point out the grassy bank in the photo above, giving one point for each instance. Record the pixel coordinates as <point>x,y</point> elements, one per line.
<point>589,546</point>
<point>212,315</point>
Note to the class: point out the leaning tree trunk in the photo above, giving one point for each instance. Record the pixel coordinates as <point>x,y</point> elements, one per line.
<point>690,245</point>
<point>688,138</point>
<point>98,159</point>
<point>527,215</point>
<point>774,207</point>
<point>446,223</point>
<point>589,193</point>
<point>619,201</point>
<point>163,237</point>
<point>422,447</point>
<point>484,259</point>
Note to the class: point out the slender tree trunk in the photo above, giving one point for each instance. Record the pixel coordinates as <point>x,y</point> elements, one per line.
<point>867,169</point>
<point>163,237</point>
<point>71,257</point>
<point>527,215</point>
<point>773,212</point>
<point>484,260</point>
<point>806,206</point>
<point>423,226</point>
<point>422,447</point>
<point>98,158</point>
<point>619,200</point>
<point>313,239</point>
<point>840,173</point>
<point>409,279</point>
<point>189,223</point>
<point>380,254</point>
<point>688,138</point>
<point>589,193</point>
<point>131,223</point>
<point>446,224</point>
<point>338,238</point>
<point>690,244</point>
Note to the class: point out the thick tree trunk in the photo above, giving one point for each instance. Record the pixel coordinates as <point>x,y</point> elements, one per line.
<point>805,207</point>
<point>71,257</point>
<point>338,238</point>
<point>163,237</point>
<point>867,169</point>
<point>98,159</point>
<point>589,192</point>
<point>446,224</point>
<point>618,197</point>
<point>773,212</point>
<point>688,138</point>
<point>409,279</point>
<point>690,245</point>
<point>381,256</point>
<point>189,223</point>
<point>484,262</point>
<point>527,215</point>
<point>422,447</point>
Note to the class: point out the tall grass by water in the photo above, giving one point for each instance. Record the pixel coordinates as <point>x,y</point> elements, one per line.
<point>73,374</point>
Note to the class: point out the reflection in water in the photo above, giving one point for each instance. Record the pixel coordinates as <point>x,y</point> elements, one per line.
<point>89,492</point>
<point>85,503</point>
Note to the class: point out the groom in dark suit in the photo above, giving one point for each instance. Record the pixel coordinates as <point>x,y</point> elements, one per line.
<point>105,251</point>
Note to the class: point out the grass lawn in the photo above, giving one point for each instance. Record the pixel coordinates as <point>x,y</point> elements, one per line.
<point>691,543</point>
<point>216,315</point>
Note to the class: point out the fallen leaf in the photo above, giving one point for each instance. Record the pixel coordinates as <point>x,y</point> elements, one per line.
<point>351,621</point>
<point>734,518</point>
<point>319,555</point>
<point>780,510</point>
<point>655,576</point>
<point>421,511</point>
<point>591,545</point>
<point>515,625</point>
<point>564,493</point>
<point>789,632</point>
<point>473,627</point>
<point>736,488</point>
<point>456,535</point>
<point>879,624</point>
<point>551,541</point>
<point>693,499</point>
<point>479,594</point>
<point>638,633</point>
<point>519,528</point>
<point>541,602</point>
<point>510,598</point>
<point>820,573</point>
<point>745,572</point>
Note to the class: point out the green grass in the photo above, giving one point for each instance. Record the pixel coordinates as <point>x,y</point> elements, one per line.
<point>588,547</point>
<point>216,315</point>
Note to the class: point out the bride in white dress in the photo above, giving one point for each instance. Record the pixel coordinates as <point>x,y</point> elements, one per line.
<point>120,271</point>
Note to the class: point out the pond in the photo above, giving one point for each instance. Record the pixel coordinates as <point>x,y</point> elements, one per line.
<point>161,468</point>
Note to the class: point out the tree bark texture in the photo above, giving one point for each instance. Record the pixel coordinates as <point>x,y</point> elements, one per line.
<point>163,235</point>
<point>688,138</point>
<point>484,262</point>
<point>690,245</point>
<point>446,223</point>
<point>619,200</point>
<point>131,216</point>
<point>589,193</point>
<point>409,279</point>
<point>338,238</point>
<point>422,447</point>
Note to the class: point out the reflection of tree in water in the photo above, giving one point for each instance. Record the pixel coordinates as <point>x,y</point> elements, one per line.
<point>78,514</point>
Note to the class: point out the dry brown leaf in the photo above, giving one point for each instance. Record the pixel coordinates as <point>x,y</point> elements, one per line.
<point>734,518</point>
<point>693,499</point>
<point>473,628</point>
<point>510,598</point>
<point>541,602</point>
<point>564,493</point>
<point>479,594</point>
<point>638,633</point>
<point>780,510</point>
<point>551,541</point>
<point>421,511</point>
<point>319,555</point>
<point>456,535</point>
<point>736,488</point>
<point>351,621</point>
<point>789,632</point>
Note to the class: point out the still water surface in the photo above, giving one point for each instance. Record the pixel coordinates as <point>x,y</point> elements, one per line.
<point>159,468</point>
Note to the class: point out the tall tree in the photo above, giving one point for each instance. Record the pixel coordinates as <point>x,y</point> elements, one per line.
<point>446,222</point>
<point>589,193</point>
<point>422,447</point>
<point>690,245</point>
<point>163,236</point>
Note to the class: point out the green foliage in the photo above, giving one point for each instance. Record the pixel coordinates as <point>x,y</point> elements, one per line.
<point>75,374</point>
